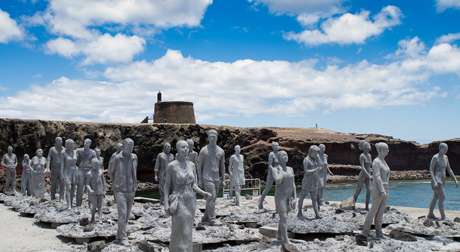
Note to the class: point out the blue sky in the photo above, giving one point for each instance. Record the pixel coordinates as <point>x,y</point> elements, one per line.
<point>388,67</point>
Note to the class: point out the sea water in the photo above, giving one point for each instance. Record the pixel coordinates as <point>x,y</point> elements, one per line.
<point>402,193</point>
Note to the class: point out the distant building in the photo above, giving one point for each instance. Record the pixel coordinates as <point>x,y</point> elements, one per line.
<point>173,111</point>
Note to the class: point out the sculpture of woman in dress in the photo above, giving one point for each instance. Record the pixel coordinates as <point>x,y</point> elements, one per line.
<point>236,171</point>
<point>180,198</point>
<point>310,181</point>
<point>38,164</point>
<point>69,171</point>
<point>438,166</point>
<point>379,190</point>
<point>364,178</point>
<point>323,172</point>
<point>26,185</point>
<point>285,195</point>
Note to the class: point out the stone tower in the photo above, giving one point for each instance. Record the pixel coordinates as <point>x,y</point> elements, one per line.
<point>173,111</point>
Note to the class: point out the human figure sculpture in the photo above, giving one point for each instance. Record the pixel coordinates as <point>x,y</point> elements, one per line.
<point>310,181</point>
<point>55,157</point>
<point>380,191</point>
<point>38,164</point>
<point>211,169</point>
<point>438,166</point>
<point>323,172</point>
<point>96,186</point>
<point>192,155</point>
<point>26,177</point>
<point>236,171</point>
<point>84,157</point>
<point>10,162</point>
<point>69,171</point>
<point>161,163</point>
<point>123,174</point>
<point>285,195</point>
<point>364,178</point>
<point>180,198</point>
<point>273,161</point>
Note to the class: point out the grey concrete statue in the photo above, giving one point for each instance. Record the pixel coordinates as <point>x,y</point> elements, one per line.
<point>323,172</point>
<point>364,178</point>
<point>96,186</point>
<point>211,169</point>
<point>285,195</point>
<point>38,164</point>
<point>310,181</point>
<point>123,174</point>
<point>55,157</point>
<point>161,163</point>
<point>69,171</point>
<point>180,198</point>
<point>236,171</point>
<point>10,162</point>
<point>84,157</point>
<point>273,161</point>
<point>380,191</point>
<point>192,155</point>
<point>26,177</point>
<point>438,166</point>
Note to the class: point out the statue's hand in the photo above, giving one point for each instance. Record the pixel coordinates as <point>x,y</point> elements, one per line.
<point>207,195</point>
<point>156,178</point>
<point>384,194</point>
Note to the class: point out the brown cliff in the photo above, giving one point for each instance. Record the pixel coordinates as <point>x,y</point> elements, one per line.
<point>342,148</point>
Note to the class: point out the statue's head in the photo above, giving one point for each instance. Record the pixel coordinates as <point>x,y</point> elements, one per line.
<point>182,148</point>
<point>191,144</point>
<point>87,143</point>
<point>283,157</point>
<point>237,149</point>
<point>366,146</point>
<point>58,141</point>
<point>10,149</point>
<point>26,156</point>
<point>98,152</point>
<point>313,151</point>
<point>443,148</point>
<point>167,148</point>
<point>39,153</point>
<point>275,146</point>
<point>69,144</point>
<point>118,147</point>
<point>322,148</point>
<point>212,136</point>
<point>382,149</point>
<point>128,146</point>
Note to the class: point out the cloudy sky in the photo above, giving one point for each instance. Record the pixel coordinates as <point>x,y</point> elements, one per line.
<point>388,67</point>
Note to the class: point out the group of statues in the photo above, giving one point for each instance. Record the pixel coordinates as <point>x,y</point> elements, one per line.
<point>78,171</point>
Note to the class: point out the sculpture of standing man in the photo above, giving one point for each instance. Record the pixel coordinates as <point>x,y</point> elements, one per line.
<point>310,181</point>
<point>9,162</point>
<point>55,158</point>
<point>26,177</point>
<point>323,172</point>
<point>273,161</point>
<point>123,173</point>
<point>380,191</point>
<point>438,166</point>
<point>236,171</point>
<point>38,164</point>
<point>69,171</point>
<point>211,169</point>
<point>161,163</point>
<point>96,186</point>
<point>192,155</point>
<point>84,157</point>
<point>364,178</point>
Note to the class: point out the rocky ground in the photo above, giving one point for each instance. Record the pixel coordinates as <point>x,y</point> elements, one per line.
<point>410,158</point>
<point>243,228</point>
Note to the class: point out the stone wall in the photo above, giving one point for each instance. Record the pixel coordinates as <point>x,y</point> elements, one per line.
<point>174,112</point>
<point>28,135</point>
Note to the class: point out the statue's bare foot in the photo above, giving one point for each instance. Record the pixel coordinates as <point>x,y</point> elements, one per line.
<point>317,217</point>
<point>300,216</point>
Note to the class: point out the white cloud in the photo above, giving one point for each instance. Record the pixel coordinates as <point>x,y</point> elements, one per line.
<point>307,11</point>
<point>449,38</point>
<point>101,49</point>
<point>413,47</point>
<point>242,87</point>
<point>349,28</point>
<point>442,5</point>
<point>9,29</point>
<point>77,18</point>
